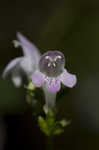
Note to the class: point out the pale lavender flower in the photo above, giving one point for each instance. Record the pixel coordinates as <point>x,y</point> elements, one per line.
<point>45,71</point>
<point>27,64</point>
<point>52,72</point>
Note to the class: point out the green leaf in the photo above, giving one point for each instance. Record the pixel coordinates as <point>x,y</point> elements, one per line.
<point>64,123</point>
<point>43,125</point>
<point>30,86</point>
<point>50,118</point>
<point>49,126</point>
<point>58,131</point>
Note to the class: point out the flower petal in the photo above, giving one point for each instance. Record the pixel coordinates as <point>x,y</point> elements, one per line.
<point>53,84</point>
<point>28,66</point>
<point>29,49</point>
<point>17,80</point>
<point>38,78</point>
<point>68,79</point>
<point>11,66</point>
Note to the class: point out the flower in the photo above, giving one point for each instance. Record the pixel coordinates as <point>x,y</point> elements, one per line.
<point>52,72</point>
<point>46,71</point>
<point>27,64</point>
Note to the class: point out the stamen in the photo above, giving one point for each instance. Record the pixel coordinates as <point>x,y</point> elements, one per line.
<point>57,57</point>
<point>49,64</point>
<point>48,58</point>
<point>54,64</point>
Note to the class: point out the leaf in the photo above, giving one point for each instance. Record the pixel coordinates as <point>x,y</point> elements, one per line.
<point>64,123</point>
<point>58,131</point>
<point>43,125</point>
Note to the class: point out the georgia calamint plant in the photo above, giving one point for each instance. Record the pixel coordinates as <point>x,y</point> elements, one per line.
<point>46,71</point>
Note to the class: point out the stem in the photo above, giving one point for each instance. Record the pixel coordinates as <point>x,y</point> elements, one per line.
<point>50,143</point>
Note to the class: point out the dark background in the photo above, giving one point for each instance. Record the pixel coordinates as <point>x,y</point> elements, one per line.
<point>66,25</point>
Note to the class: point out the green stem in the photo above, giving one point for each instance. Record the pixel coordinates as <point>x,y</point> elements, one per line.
<point>50,143</point>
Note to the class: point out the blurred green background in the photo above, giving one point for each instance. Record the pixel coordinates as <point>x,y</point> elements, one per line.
<point>72,27</point>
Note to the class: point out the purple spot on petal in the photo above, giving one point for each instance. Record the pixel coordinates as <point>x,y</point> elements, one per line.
<point>53,84</point>
<point>38,79</point>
